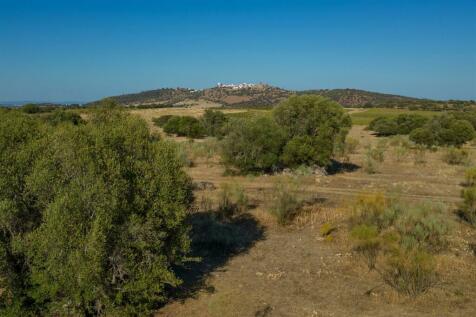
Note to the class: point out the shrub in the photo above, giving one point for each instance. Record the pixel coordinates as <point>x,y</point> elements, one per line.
<point>283,202</point>
<point>443,130</point>
<point>301,150</point>
<point>214,122</point>
<point>63,116</point>
<point>253,144</point>
<point>411,272</point>
<point>455,156</point>
<point>468,208</point>
<point>404,236</point>
<point>313,123</point>
<point>232,200</point>
<point>93,220</point>
<point>367,243</point>
<point>419,155</point>
<point>470,176</point>
<point>402,124</point>
<point>184,126</point>
<point>162,120</point>
<point>423,226</point>
<point>351,145</point>
<point>31,108</point>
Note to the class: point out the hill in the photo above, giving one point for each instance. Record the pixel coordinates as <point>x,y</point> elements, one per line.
<point>262,96</point>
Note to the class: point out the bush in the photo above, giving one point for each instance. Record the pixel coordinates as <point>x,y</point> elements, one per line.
<point>367,243</point>
<point>232,200</point>
<point>402,124</point>
<point>300,150</point>
<point>184,126</point>
<point>403,236</point>
<point>162,120</point>
<point>253,145</point>
<point>470,176</point>
<point>468,207</point>
<point>214,122</point>
<point>283,203</point>
<point>63,116</point>
<point>31,108</point>
<point>315,126</point>
<point>92,217</point>
<point>411,272</point>
<point>443,130</point>
<point>455,156</point>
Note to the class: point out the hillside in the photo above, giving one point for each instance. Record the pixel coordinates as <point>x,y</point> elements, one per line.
<point>262,95</point>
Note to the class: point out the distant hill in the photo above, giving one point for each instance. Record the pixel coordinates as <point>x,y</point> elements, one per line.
<point>262,95</point>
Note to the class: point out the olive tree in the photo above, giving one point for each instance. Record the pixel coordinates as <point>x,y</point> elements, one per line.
<point>91,216</point>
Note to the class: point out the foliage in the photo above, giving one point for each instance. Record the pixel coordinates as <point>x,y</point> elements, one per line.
<point>232,200</point>
<point>455,156</point>
<point>253,144</point>
<point>443,130</point>
<point>61,116</point>
<point>283,202</point>
<point>304,130</point>
<point>214,122</point>
<point>404,237</point>
<point>468,207</point>
<point>401,124</point>
<point>470,176</point>
<point>313,122</point>
<point>91,216</point>
<point>162,120</point>
<point>184,126</point>
<point>411,272</point>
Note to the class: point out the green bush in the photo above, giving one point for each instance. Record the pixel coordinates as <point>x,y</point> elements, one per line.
<point>315,125</point>
<point>184,126</point>
<point>214,122</point>
<point>444,130</point>
<point>91,217</point>
<point>301,150</point>
<point>402,124</point>
<point>63,116</point>
<point>31,108</point>
<point>253,145</point>
<point>162,120</point>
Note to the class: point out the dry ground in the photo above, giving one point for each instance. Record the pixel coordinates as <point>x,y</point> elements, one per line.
<point>293,271</point>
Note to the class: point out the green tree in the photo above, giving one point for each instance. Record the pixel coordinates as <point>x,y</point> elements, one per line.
<point>253,144</point>
<point>315,117</point>
<point>91,216</point>
<point>213,122</point>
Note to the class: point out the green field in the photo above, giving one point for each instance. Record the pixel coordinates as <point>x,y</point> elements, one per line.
<point>366,116</point>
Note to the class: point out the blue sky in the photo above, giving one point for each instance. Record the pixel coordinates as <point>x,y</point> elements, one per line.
<point>85,50</point>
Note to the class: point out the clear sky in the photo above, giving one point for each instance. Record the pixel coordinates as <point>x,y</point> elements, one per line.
<point>83,50</point>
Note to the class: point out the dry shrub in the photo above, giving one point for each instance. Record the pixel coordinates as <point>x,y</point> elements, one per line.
<point>468,207</point>
<point>470,177</point>
<point>455,156</point>
<point>232,200</point>
<point>410,272</point>
<point>419,155</point>
<point>404,236</point>
<point>284,202</point>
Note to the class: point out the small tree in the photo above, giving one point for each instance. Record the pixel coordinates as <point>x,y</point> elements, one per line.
<point>253,144</point>
<point>214,122</point>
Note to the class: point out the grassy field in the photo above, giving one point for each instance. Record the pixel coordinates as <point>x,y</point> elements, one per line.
<point>365,116</point>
